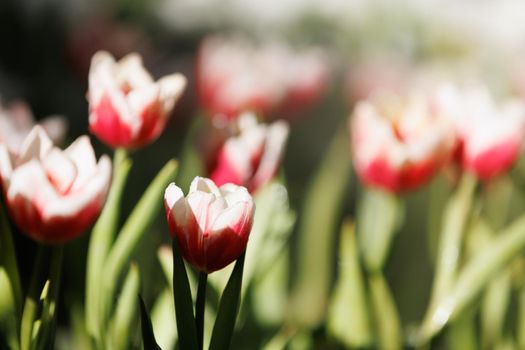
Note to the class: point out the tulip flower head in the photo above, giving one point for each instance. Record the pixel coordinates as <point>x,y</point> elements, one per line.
<point>234,76</point>
<point>16,122</point>
<point>127,108</point>
<point>490,135</point>
<point>252,157</point>
<point>211,224</point>
<point>53,195</point>
<point>397,144</point>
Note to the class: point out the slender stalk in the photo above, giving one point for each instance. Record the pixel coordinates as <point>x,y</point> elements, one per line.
<point>46,338</point>
<point>199,307</point>
<point>33,296</point>
<point>455,219</point>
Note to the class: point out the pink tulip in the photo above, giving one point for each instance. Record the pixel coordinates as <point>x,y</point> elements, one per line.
<point>252,157</point>
<point>234,76</point>
<point>127,108</point>
<point>16,121</point>
<point>490,135</point>
<point>211,224</point>
<point>399,145</point>
<point>53,195</point>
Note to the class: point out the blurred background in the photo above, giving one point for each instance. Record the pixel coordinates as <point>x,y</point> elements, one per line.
<point>46,48</point>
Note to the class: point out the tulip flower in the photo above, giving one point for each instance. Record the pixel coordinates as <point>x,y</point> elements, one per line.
<point>211,224</point>
<point>234,76</point>
<point>53,195</point>
<point>397,144</point>
<point>16,122</point>
<point>252,157</point>
<point>127,108</point>
<point>490,135</point>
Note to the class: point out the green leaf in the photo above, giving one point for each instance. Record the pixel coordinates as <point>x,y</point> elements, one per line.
<point>8,260</point>
<point>125,312</point>
<point>462,334</point>
<point>134,229</point>
<point>49,301</point>
<point>183,303</point>
<point>378,219</point>
<point>8,321</point>
<point>494,308</point>
<point>473,278</point>
<point>148,338</point>
<point>228,308</point>
<point>100,242</point>
<point>163,320</point>
<point>317,234</point>
<point>29,316</point>
<point>385,313</point>
<point>348,319</point>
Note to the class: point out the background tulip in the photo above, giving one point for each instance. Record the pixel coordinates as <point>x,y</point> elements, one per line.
<point>211,224</point>
<point>16,122</point>
<point>252,157</point>
<point>398,145</point>
<point>127,108</point>
<point>53,195</point>
<point>490,135</point>
<point>234,75</point>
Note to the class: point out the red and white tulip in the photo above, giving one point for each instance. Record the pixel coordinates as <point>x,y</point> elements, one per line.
<point>252,157</point>
<point>53,195</point>
<point>127,107</point>
<point>490,135</point>
<point>16,122</point>
<point>211,224</point>
<point>399,144</point>
<point>234,76</point>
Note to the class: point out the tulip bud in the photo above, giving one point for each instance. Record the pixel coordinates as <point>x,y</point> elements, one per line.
<point>399,145</point>
<point>251,158</point>
<point>127,108</point>
<point>490,135</point>
<point>53,195</point>
<point>211,224</point>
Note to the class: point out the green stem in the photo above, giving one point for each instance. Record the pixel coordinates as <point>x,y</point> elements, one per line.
<point>100,242</point>
<point>199,307</point>
<point>455,219</point>
<point>46,337</point>
<point>33,296</point>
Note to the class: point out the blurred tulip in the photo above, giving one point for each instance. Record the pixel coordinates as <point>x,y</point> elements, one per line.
<point>399,144</point>
<point>16,122</point>
<point>490,135</point>
<point>252,157</point>
<point>53,195</point>
<point>127,108</point>
<point>211,224</point>
<point>234,76</point>
<point>375,75</point>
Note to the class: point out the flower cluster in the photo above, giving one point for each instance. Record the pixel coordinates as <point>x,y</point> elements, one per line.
<point>234,76</point>
<point>399,143</point>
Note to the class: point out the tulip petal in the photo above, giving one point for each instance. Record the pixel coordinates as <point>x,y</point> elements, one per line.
<point>177,209</point>
<point>36,145</point>
<point>170,89</point>
<point>272,155</point>
<point>204,185</point>
<point>60,170</point>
